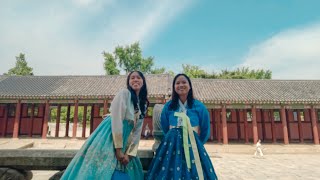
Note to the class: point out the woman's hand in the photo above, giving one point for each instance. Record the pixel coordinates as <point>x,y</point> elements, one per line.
<point>126,159</point>
<point>119,154</point>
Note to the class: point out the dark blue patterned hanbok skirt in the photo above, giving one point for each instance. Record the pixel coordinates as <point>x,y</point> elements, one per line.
<point>169,161</point>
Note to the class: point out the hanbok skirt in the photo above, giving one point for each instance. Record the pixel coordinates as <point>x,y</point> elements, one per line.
<point>169,161</point>
<point>96,159</point>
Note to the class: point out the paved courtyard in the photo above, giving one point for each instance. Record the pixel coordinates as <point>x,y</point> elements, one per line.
<point>234,161</point>
<point>275,166</point>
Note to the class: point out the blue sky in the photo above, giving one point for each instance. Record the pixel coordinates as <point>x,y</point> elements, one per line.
<point>67,37</point>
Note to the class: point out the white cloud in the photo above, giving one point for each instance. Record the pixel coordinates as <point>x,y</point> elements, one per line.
<point>291,54</point>
<point>61,38</point>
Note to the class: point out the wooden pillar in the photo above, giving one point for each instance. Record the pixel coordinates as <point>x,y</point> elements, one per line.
<point>5,120</point>
<point>238,124</point>
<point>224,125</point>
<point>68,121</point>
<point>314,126</point>
<point>288,111</point>
<point>300,126</point>
<point>214,124</point>
<point>254,124</point>
<point>75,119</point>
<point>273,126</point>
<point>84,121</point>
<point>211,124</point>
<point>58,120</point>
<point>245,120</point>
<point>263,121</point>
<point>218,120</point>
<point>31,119</point>
<point>91,120</point>
<point>105,106</point>
<point>284,125</point>
<point>46,119</point>
<point>17,120</point>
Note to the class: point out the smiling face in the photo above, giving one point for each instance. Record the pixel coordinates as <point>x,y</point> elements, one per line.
<point>182,86</point>
<point>135,82</point>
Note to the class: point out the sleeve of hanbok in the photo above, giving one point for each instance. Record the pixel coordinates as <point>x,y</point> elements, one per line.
<point>164,119</point>
<point>204,123</point>
<point>136,134</point>
<point>118,111</point>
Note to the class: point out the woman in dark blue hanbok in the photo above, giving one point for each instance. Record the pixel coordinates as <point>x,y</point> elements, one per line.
<point>115,141</point>
<point>185,122</point>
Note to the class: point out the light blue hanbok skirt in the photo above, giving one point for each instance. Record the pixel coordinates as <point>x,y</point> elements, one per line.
<point>96,159</point>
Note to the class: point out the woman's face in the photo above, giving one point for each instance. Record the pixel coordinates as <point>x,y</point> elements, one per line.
<point>181,86</point>
<point>135,81</point>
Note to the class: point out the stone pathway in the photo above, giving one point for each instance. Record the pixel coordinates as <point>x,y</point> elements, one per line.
<point>234,161</point>
<point>270,167</point>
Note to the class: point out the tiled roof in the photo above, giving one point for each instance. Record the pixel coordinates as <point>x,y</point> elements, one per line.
<point>75,86</point>
<point>207,90</point>
<point>255,91</point>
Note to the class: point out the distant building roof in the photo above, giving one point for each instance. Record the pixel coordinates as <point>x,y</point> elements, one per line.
<point>86,87</point>
<point>206,90</point>
<point>255,91</point>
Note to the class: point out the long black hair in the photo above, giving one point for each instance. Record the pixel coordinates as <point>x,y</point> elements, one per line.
<point>143,94</point>
<point>175,97</point>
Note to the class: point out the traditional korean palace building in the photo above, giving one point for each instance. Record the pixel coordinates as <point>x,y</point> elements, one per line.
<point>282,111</point>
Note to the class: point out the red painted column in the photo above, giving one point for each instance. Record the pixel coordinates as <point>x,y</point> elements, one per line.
<point>218,120</point>
<point>300,126</point>
<point>224,125</point>
<point>245,120</point>
<point>31,119</point>
<point>105,106</point>
<point>273,126</point>
<point>84,121</point>
<point>91,120</point>
<point>211,124</point>
<point>264,118</point>
<point>17,120</point>
<point>238,123</point>
<point>288,118</point>
<point>75,119</point>
<point>58,120</point>
<point>68,121</point>
<point>284,125</point>
<point>314,126</point>
<point>5,120</point>
<point>254,124</point>
<point>46,119</point>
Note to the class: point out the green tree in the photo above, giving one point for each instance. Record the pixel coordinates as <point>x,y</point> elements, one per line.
<point>158,70</point>
<point>240,73</point>
<point>171,72</point>
<point>21,68</point>
<point>245,73</point>
<point>128,58</point>
<point>194,71</point>
<point>110,64</point>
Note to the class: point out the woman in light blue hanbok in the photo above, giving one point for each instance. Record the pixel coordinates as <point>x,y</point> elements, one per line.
<point>115,141</point>
<point>181,154</point>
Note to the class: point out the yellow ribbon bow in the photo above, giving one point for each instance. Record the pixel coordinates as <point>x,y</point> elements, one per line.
<point>187,129</point>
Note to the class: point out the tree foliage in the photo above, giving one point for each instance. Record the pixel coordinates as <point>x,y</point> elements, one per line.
<point>21,68</point>
<point>245,73</point>
<point>158,70</point>
<point>110,64</point>
<point>128,58</point>
<point>240,73</point>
